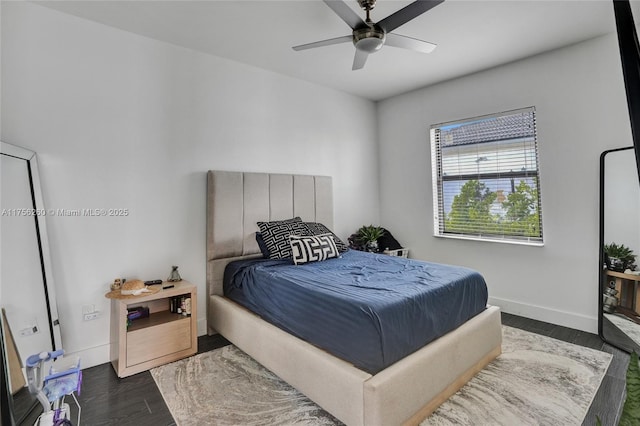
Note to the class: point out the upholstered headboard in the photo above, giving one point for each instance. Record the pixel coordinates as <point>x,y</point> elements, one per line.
<point>237,200</point>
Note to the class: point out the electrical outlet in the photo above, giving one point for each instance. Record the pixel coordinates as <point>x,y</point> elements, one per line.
<point>28,331</point>
<point>91,316</point>
<point>29,327</point>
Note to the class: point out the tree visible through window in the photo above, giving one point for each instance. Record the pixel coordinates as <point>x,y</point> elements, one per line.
<point>486,177</point>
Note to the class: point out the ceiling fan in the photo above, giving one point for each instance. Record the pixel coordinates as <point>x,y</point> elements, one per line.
<point>369,37</point>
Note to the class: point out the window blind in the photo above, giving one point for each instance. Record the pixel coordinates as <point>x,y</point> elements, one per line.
<point>486,177</point>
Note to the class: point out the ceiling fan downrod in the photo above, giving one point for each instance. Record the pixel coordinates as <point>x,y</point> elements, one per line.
<point>367,5</point>
<point>371,38</point>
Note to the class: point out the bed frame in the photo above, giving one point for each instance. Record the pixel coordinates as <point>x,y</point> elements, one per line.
<point>403,393</point>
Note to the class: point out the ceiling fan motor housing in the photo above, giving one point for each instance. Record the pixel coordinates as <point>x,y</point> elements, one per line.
<point>369,39</point>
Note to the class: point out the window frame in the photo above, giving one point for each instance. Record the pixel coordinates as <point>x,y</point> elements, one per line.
<point>438,178</point>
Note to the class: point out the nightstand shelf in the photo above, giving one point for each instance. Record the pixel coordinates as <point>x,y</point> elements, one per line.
<point>160,338</point>
<point>158,318</point>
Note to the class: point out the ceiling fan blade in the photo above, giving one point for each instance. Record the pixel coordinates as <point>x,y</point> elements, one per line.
<point>359,60</point>
<point>346,13</point>
<point>328,42</point>
<point>407,13</point>
<point>410,43</point>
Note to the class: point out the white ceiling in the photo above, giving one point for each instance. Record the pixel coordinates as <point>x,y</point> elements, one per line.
<point>471,35</point>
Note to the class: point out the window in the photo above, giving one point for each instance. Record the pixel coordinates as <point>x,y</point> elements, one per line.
<point>486,181</point>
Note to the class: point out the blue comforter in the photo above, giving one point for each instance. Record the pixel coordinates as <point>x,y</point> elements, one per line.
<point>371,310</point>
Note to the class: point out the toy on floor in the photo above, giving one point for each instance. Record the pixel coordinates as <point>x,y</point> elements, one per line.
<point>64,378</point>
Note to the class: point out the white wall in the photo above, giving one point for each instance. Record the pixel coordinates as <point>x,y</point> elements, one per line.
<point>581,110</point>
<point>122,121</point>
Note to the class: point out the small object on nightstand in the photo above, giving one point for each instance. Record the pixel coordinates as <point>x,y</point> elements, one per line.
<point>174,276</point>
<point>187,306</point>
<point>402,252</point>
<point>137,312</point>
<point>131,289</point>
<point>167,285</point>
<point>117,283</point>
<point>153,282</point>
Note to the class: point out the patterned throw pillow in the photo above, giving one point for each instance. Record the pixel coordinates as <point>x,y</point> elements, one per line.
<point>312,248</point>
<point>276,236</point>
<point>319,229</point>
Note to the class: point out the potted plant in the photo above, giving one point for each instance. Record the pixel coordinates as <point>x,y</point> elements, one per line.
<point>368,237</point>
<point>620,257</point>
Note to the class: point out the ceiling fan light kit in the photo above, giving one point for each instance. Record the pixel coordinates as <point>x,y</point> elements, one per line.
<point>369,37</point>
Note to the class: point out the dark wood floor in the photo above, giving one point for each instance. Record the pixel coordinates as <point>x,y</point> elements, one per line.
<point>107,400</point>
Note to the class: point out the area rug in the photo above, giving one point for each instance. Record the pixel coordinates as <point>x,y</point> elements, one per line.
<point>537,380</point>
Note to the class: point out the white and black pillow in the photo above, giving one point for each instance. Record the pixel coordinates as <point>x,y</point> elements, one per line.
<point>305,249</point>
<point>316,228</point>
<point>276,236</point>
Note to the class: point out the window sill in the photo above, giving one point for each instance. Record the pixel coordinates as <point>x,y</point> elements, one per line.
<point>493,240</point>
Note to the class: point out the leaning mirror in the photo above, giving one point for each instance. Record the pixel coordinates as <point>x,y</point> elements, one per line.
<point>619,244</point>
<point>28,309</point>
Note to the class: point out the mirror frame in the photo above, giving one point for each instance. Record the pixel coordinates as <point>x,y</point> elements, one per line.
<point>601,276</point>
<point>41,232</point>
<point>6,149</point>
<point>6,400</point>
<point>630,58</point>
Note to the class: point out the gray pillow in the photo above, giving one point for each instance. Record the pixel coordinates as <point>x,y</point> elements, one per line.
<point>316,228</point>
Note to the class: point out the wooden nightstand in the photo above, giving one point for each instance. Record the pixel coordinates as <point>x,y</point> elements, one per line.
<point>628,291</point>
<point>161,338</point>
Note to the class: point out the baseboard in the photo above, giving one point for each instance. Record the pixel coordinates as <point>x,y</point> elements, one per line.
<point>541,313</point>
<point>91,357</point>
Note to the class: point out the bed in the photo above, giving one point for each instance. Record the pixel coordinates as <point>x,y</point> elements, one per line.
<point>404,392</point>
